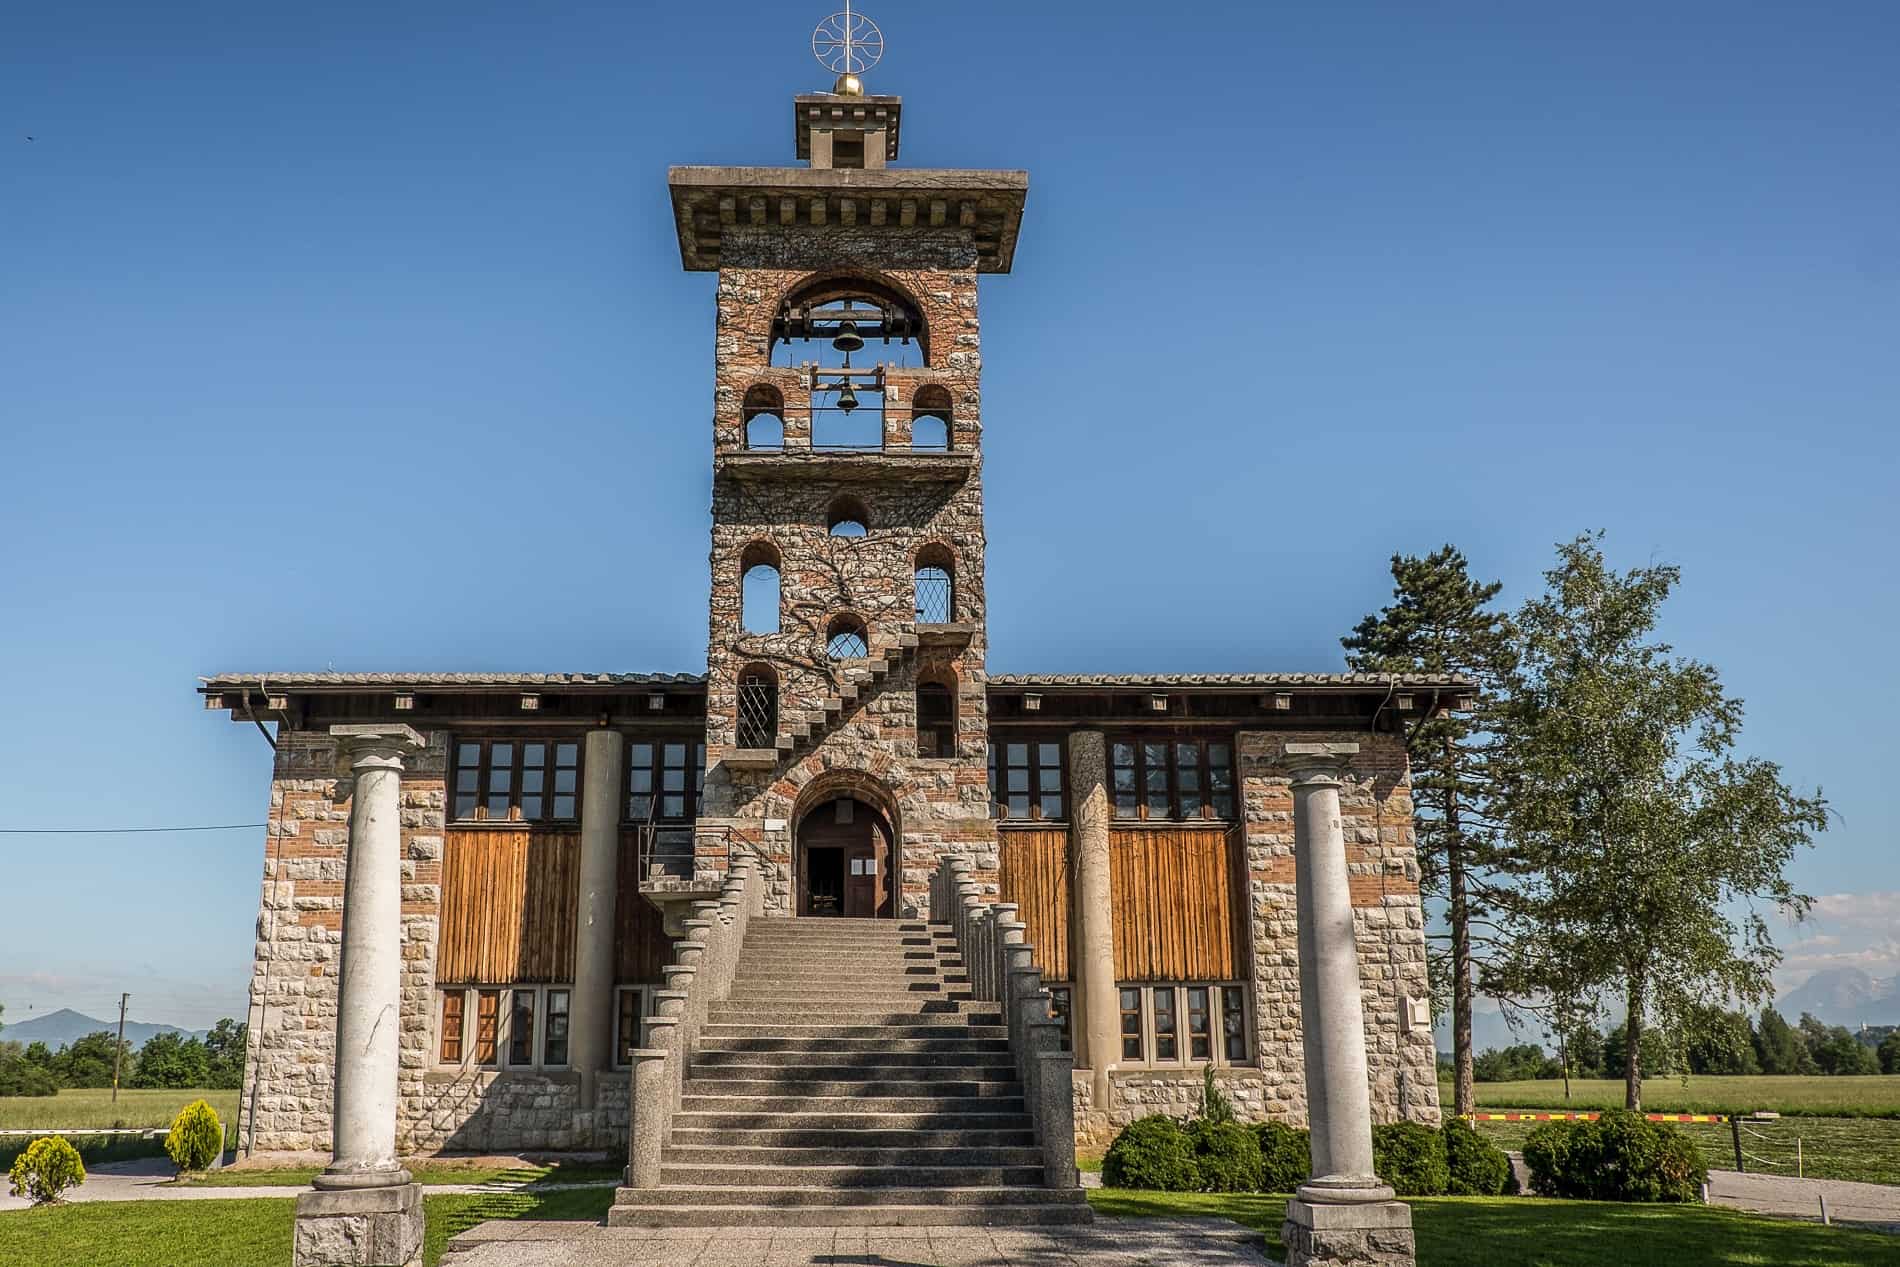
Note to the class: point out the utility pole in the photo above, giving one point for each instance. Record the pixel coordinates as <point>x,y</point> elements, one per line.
<point>118,1052</point>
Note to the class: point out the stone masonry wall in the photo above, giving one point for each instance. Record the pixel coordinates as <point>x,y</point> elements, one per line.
<point>934,804</point>
<point>285,1104</point>
<point>1376,811</point>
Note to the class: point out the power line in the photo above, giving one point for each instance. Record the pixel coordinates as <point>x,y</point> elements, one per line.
<point>117,831</point>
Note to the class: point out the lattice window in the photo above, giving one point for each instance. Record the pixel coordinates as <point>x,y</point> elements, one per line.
<point>758,709</point>
<point>846,639</point>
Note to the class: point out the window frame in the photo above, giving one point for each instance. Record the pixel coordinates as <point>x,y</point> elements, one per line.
<point>1184,1057</point>
<point>694,782</point>
<point>549,769</point>
<point>642,996</point>
<point>999,765</point>
<point>466,1010</point>
<point>1141,770</point>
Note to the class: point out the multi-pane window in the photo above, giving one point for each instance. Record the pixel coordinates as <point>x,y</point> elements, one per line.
<point>554,1041</point>
<point>1172,778</point>
<point>1026,779</point>
<point>664,779</point>
<point>1061,1006</point>
<point>517,780</point>
<point>1196,1023</point>
<point>630,1005</point>
<point>521,1028</point>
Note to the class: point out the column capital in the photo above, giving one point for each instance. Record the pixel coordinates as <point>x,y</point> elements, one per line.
<point>1318,764</point>
<point>376,746</point>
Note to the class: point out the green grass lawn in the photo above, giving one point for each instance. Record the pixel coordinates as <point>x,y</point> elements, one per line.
<point>1861,1148</point>
<point>1870,1096</point>
<point>94,1108</point>
<point>1529,1232</point>
<point>242,1233</point>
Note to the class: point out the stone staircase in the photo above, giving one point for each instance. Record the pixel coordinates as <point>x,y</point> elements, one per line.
<point>849,1080</point>
<point>806,729</point>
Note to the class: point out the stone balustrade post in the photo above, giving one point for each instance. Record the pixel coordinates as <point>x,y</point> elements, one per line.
<point>652,1087</point>
<point>1344,1213</point>
<point>365,1210</point>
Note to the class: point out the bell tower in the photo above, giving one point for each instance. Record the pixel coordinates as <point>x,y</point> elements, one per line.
<point>846,730</point>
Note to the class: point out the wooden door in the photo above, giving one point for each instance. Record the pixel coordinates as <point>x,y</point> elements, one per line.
<point>861,881</point>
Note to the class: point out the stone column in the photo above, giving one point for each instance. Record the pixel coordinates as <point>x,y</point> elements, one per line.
<point>1096,1011</point>
<point>1344,1213</point>
<point>591,1009</point>
<point>365,1211</point>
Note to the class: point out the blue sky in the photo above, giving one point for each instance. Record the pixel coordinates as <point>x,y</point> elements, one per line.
<point>355,335</point>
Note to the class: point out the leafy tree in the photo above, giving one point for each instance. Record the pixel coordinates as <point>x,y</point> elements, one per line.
<point>1656,1056</point>
<point>20,1076</point>
<point>87,1061</point>
<point>1835,1049</point>
<point>1635,828</point>
<point>224,1054</point>
<point>1889,1054</point>
<point>1581,1050</point>
<point>167,1060</point>
<point>1441,621</point>
<point>1516,1063</point>
<point>1779,1047</point>
<point>1721,1042</point>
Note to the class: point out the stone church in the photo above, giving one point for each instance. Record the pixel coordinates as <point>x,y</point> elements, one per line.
<point>559,832</point>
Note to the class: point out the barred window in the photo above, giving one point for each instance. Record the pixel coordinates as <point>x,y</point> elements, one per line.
<point>517,780</point>
<point>1026,779</point>
<point>1174,779</point>
<point>758,708</point>
<point>664,779</point>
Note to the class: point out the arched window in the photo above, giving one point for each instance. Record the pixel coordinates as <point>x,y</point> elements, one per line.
<point>764,414</point>
<point>845,639</point>
<point>930,419</point>
<point>936,586</point>
<point>758,589</point>
<point>847,517</point>
<point>886,326</point>
<point>937,717</point>
<point>758,707</point>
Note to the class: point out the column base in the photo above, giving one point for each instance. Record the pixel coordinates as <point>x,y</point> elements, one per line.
<point>359,1227</point>
<point>1370,1234</point>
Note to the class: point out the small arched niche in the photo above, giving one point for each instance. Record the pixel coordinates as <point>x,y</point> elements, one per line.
<point>935,582</point>
<point>930,419</point>
<point>764,417</point>
<point>759,588</point>
<point>937,715</point>
<point>847,517</point>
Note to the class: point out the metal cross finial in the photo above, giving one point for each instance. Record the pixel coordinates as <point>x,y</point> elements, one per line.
<point>847,43</point>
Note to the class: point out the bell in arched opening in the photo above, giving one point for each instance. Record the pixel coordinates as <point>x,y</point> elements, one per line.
<point>847,399</point>
<point>848,340</point>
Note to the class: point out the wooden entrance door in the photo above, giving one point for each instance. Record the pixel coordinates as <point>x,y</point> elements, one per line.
<point>844,861</point>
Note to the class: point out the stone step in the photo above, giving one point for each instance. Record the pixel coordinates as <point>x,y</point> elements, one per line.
<point>863,1156</point>
<point>844,1080</point>
<point>853,1101</point>
<point>895,1064</point>
<point>948,1030</point>
<point>830,1015</point>
<point>1006,1208</point>
<point>866,968</point>
<point>716,1176</point>
<point>906,1141</point>
<point>974,1116</point>
<point>777,1042</point>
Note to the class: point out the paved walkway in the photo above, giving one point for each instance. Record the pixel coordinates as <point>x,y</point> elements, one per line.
<point>1801,1198</point>
<point>1105,1243</point>
<point>149,1179</point>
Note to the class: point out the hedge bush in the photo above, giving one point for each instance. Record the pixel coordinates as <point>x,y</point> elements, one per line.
<point>1152,1152</point>
<point>1286,1156</point>
<point>196,1138</point>
<point>47,1168</point>
<point>1621,1156</point>
<point>1411,1158</point>
<point>1226,1156</point>
<point>1478,1168</point>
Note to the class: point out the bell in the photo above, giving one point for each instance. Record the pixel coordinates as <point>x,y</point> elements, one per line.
<point>847,399</point>
<point>848,339</point>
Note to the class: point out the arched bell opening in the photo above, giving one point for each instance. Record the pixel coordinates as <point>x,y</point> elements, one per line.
<point>844,861</point>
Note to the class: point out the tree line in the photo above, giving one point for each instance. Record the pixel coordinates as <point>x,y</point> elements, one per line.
<point>1726,1041</point>
<point>166,1060</point>
<point>1595,836</point>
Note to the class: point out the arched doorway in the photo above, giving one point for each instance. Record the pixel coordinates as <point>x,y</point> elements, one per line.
<point>844,863</point>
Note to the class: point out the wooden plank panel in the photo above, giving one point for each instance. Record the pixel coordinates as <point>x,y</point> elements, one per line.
<point>641,946</point>
<point>1178,913</point>
<point>1033,869</point>
<point>508,899</point>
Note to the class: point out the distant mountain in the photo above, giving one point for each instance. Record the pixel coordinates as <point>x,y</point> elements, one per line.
<point>56,1029</point>
<point>1844,996</point>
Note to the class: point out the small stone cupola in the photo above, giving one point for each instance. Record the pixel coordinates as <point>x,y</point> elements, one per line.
<point>847,129</point>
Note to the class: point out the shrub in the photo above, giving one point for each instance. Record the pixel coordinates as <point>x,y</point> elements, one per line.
<point>1478,1168</point>
<point>1411,1158</point>
<point>1152,1152</point>
<point>1226,1156</point>
<point>47,1168</point>
<point>1286,1156</point>
<point>1621,1156</point>
<point>1215,1106</point>
<point>196,1137</point>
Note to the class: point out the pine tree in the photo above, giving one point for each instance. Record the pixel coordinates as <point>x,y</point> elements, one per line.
<point>1441,621</point>
<point>1635,831</point>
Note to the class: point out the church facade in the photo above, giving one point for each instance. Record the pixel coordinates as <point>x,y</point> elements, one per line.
<point>846,733</point>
